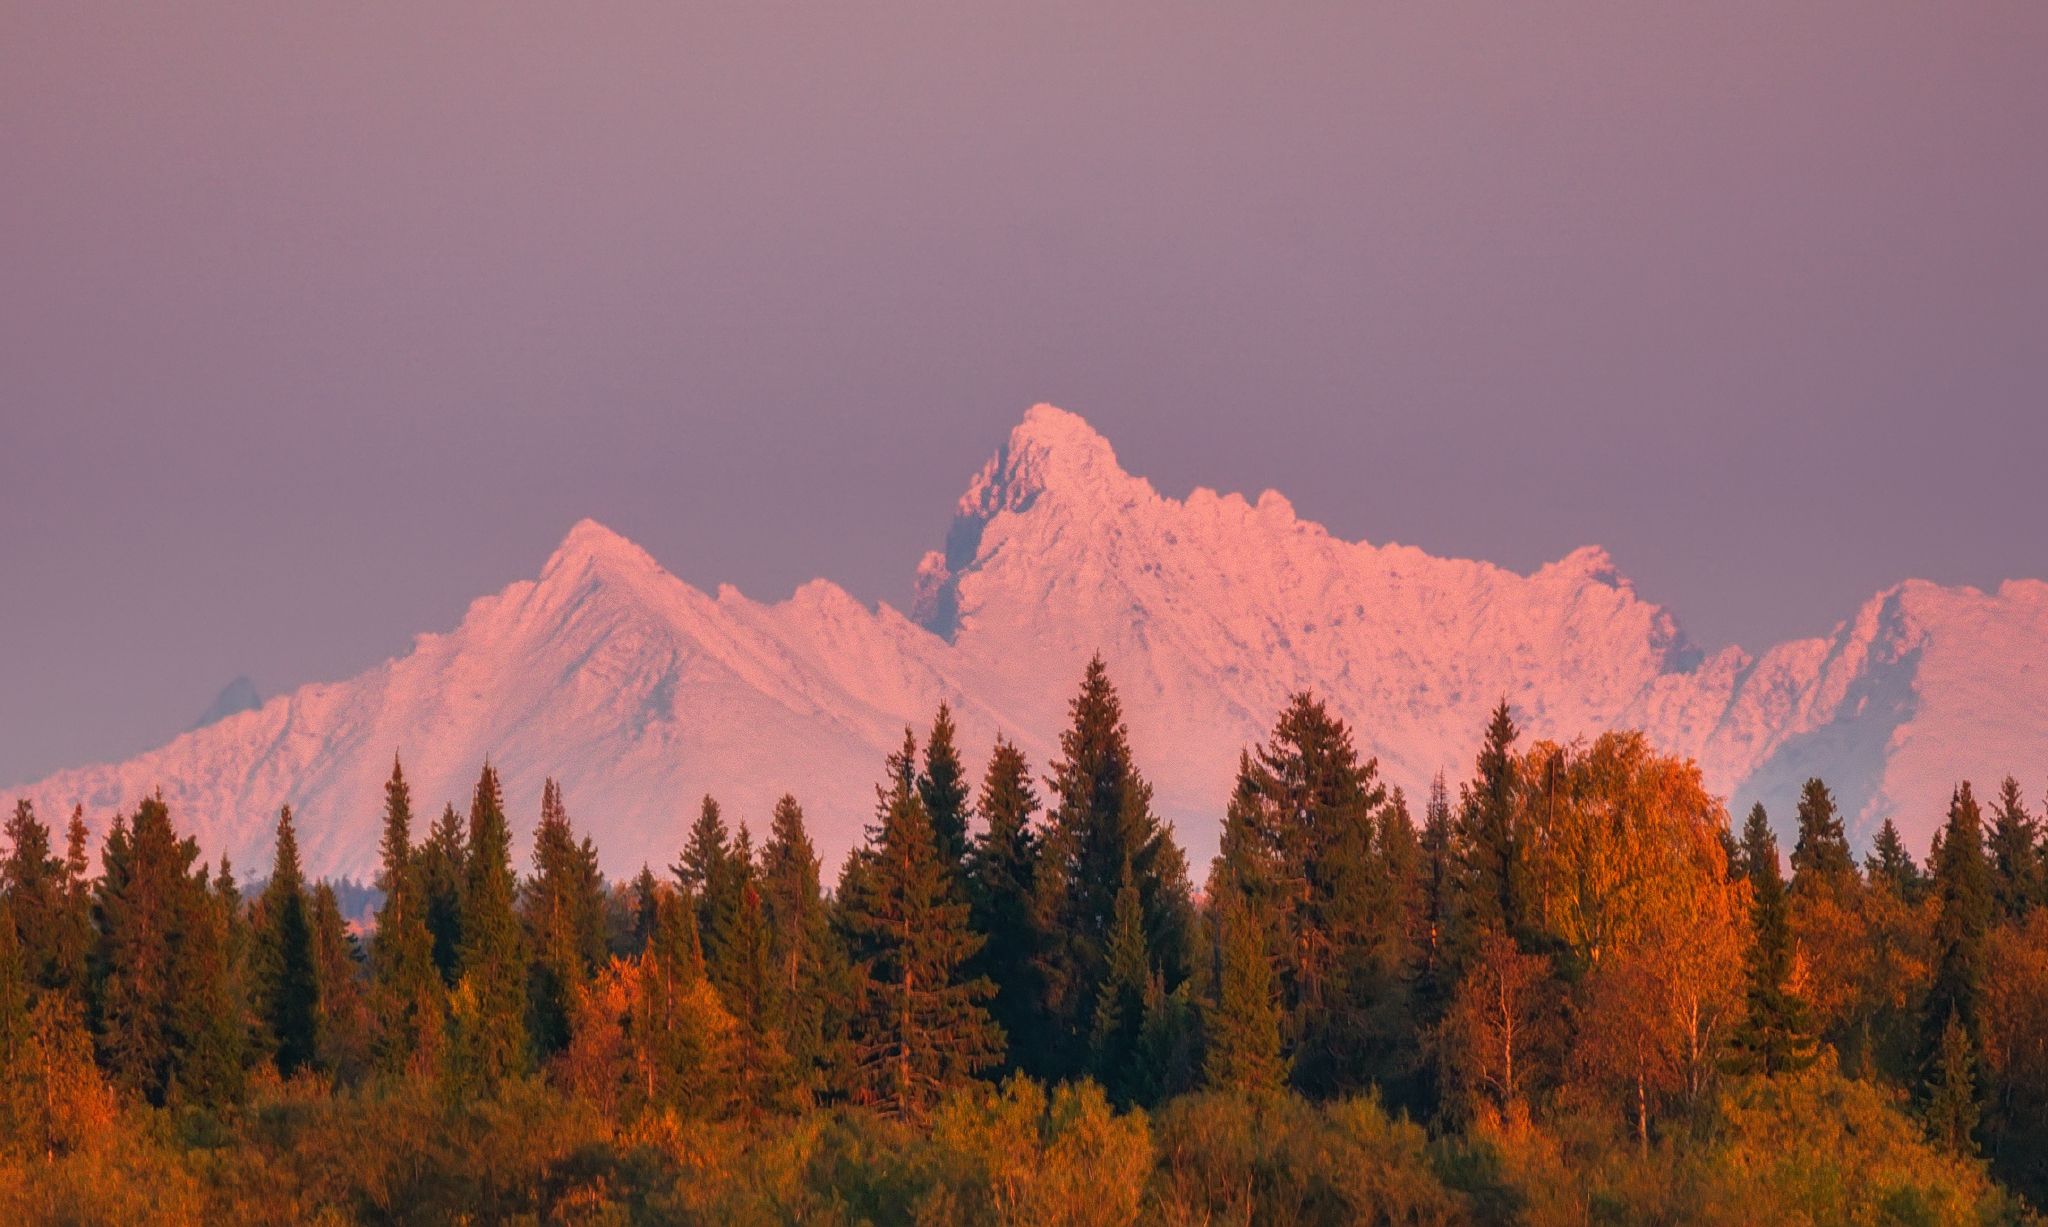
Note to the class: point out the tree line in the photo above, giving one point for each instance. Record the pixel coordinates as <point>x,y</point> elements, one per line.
<point>1576,934</point>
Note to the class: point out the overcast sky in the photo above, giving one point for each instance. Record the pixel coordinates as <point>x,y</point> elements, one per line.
<point>317,321</point>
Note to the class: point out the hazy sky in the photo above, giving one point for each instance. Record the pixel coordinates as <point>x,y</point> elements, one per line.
<point>314,325</point>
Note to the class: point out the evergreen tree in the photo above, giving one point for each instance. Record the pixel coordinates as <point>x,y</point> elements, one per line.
<point>1820,858</point>
<point>1890,864</point>
<point>1243,1027</point>
<point>1485,839</point>
<point>443,869</point>
<point>490,1006</point>
<point>287,985</point>
<point>1103,818</point>
<point>563,909</point>
<point>1952,1094</point>
<point>210,1026</point>
<point>942,786</point>
<point>801,952</point>
<point>1304,850</point>
<point>76,935</point>
<point>156,989</point>
<point>714,880</point>
<point>767,1076</point>
<point>682,1033</point>
<point>1963,886</point>
<point>1120,1008</point>
<point>1002,875</point>
<point>410,995</point>
<point>32,878</point>
<point>2018,878</point>
<point>16,989</point>
<point>344,1016</point>
<point>646,906</point>
<point>924,1028</point>
<point>1775,1035</point>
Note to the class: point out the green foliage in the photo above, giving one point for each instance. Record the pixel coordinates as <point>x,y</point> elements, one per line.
<point>1102,819</point>
<point>1820,856</point>
<point>923,1027</point>
<point>286,983</point>
<point>943,788</point>
<point>1002,871</point>
<point>563,909</point>
<point>408,996</point>
<point>488,1007</point>
<point>1775,1035</point>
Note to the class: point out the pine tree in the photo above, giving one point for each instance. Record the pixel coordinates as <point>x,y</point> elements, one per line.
<point>1774,1036</point>
<point>1120,1007</point>
<point>409,994</point>
<point>32,878</point>
<point>563,910</point>
<point>923,1029</point>
<point>154,993</point>
<point>712,878</point>
<point>1821,858</point>
<point>490,1006</point>
<point>1002,897</point>
<point>2020,881</point>
<point>1485,838</point>
<point>16,989</point>
<point>210,1027</point>
<point>1952,1094</point>
<point>801,952</point>
<point>1963,886</point>
<point>942,786</point>
<point>344,1020</point>
<point>287,985</point>
<point>1890,864</point>
<point>646,901</point>
<point>1243,1026</point>
<point>1103,817</point>
<point>1304,850</point>
<point>681,1032</point>
<point>76,935</point>
<point>443,870</point>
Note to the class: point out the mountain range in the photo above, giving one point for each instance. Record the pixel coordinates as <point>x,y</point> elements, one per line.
<point>640,693</point>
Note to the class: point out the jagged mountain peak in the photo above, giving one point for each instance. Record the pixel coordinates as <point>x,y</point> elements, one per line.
<point>639,691</point>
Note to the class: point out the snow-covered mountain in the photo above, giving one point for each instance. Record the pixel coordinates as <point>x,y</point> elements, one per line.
<point>641,693</point>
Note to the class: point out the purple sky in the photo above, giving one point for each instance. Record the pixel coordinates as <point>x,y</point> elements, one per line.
<point>314,326</point>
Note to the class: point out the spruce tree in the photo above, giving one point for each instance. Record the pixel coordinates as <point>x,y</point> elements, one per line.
<point>1120,1007</point>
<point>32,878</point>
<point>714,880</point>
<point>153,994</point>
<point>409,994</point>
<point>74,945</point>
<point>801,952</point>
<point>1774,1035</point>
<point>1437,890</point>
<point>1002,873</point>
<point>1963,886</point>
<point>646,903</point>
<point>443,870</point>
<point>490,1007</point>
<point>1243,1025</point>
<point>287,985</point>
<point>210,1030</point>
<point>1820,857</point>
<point>924,1028</point>
<point>1891,865</point>
<point>1103,817</point>
<point>16,990</point>
<point>2018,878</point>
<point>680,1030</point>
<point>563,910</point>
<point>943,788</point>
<point>1952,1094</point>
<point>1485,839</point>
<point>344,1018</point>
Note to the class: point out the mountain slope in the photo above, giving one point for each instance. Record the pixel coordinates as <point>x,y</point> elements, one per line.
<point>641,693</point>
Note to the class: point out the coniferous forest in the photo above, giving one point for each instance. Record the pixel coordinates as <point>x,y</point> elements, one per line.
<point>1566,989</point>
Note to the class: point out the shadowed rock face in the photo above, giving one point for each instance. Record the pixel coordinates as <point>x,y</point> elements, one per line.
<point>237,696</point>
<point>640,693</point>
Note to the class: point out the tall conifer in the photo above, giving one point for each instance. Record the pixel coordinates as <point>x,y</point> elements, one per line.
<point>1775,1035</point>
<point>490,1006</point>
<point>287,985</point>
<point>924,1028</point>
<point>1002,875</point>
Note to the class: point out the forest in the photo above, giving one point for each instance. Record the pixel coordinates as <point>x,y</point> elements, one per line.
<point>1567,989</point>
